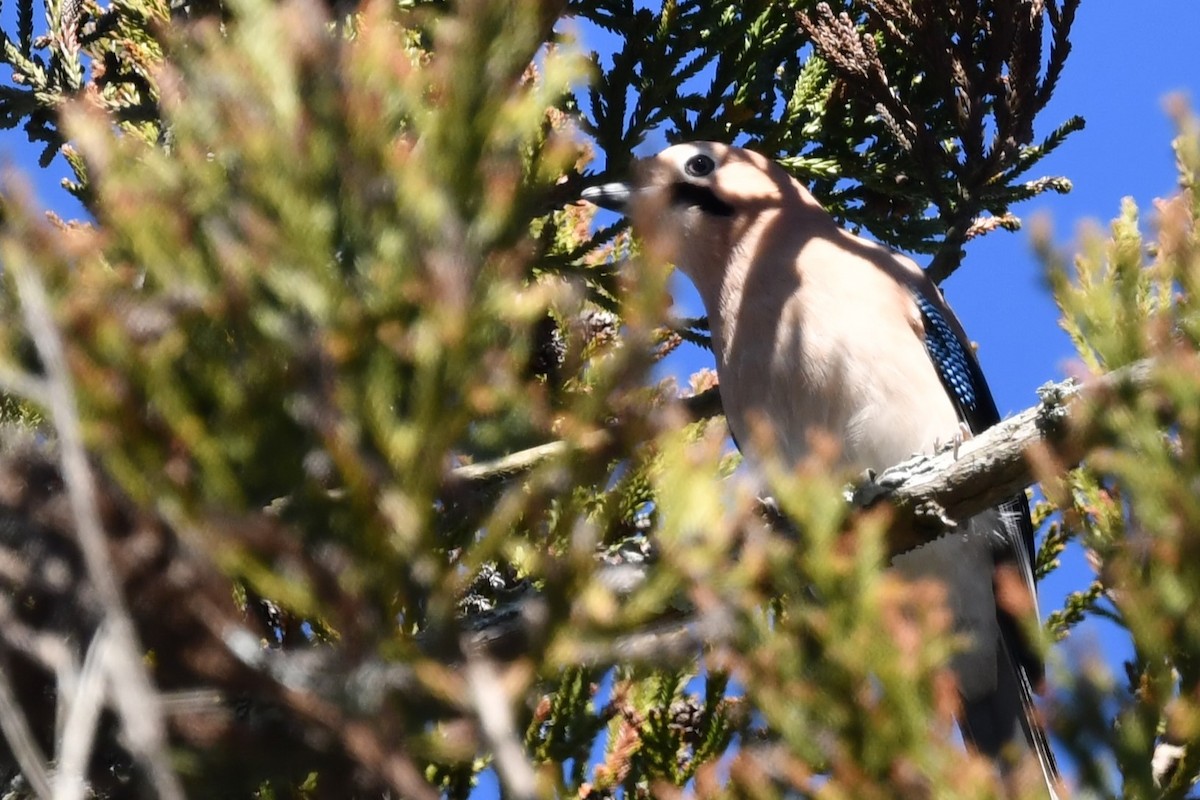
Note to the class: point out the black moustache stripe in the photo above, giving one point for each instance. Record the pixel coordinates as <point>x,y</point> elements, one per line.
<point>701,197</point>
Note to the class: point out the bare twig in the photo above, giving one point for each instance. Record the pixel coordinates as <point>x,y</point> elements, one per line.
<point>494,711</point>
<point>701,405</point>
<point>1165,762</point>
<point>133,692</point>
<point>20,740</point>
<point>673,641</point>
<point>24,385</point>
<point>517,463</point>
<point>82,716</point>
<point>48,650</point>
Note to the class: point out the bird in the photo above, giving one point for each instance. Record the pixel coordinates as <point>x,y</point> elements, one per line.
<point>818,330</point>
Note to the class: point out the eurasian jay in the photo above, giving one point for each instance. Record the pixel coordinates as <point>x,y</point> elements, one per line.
<point>817,329</point>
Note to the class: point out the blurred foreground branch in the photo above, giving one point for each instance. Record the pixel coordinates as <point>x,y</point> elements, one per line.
<point>309,688</point>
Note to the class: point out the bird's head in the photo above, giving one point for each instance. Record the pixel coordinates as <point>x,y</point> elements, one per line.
<point>691,203</point>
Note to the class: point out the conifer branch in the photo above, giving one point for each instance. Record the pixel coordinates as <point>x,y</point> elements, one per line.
<point>956,483</point>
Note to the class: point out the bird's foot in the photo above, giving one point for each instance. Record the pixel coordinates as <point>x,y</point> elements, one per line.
<point>873,486</point>
<point>865,491</point>
<point>900,474</point>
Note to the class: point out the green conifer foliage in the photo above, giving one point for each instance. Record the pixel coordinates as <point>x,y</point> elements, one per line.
<point>336,463</point>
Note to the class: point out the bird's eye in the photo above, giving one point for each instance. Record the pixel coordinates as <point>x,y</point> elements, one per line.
<point>699,166</point>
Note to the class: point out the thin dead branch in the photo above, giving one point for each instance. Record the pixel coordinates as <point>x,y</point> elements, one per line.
<point>496,721</point>
<point>132,691</point>
<point>22,742</point>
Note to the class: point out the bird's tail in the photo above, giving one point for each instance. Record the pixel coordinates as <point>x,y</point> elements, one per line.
<point>1004,725</point>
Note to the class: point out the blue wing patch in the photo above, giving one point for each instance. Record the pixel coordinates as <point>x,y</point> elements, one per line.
<point>961,375</point>
<point>955,366</point>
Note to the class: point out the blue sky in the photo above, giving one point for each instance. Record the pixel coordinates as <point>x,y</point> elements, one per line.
<point>1127,58</point>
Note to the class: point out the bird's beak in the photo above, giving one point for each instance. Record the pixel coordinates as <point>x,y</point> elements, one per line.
<point>613,196</point>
